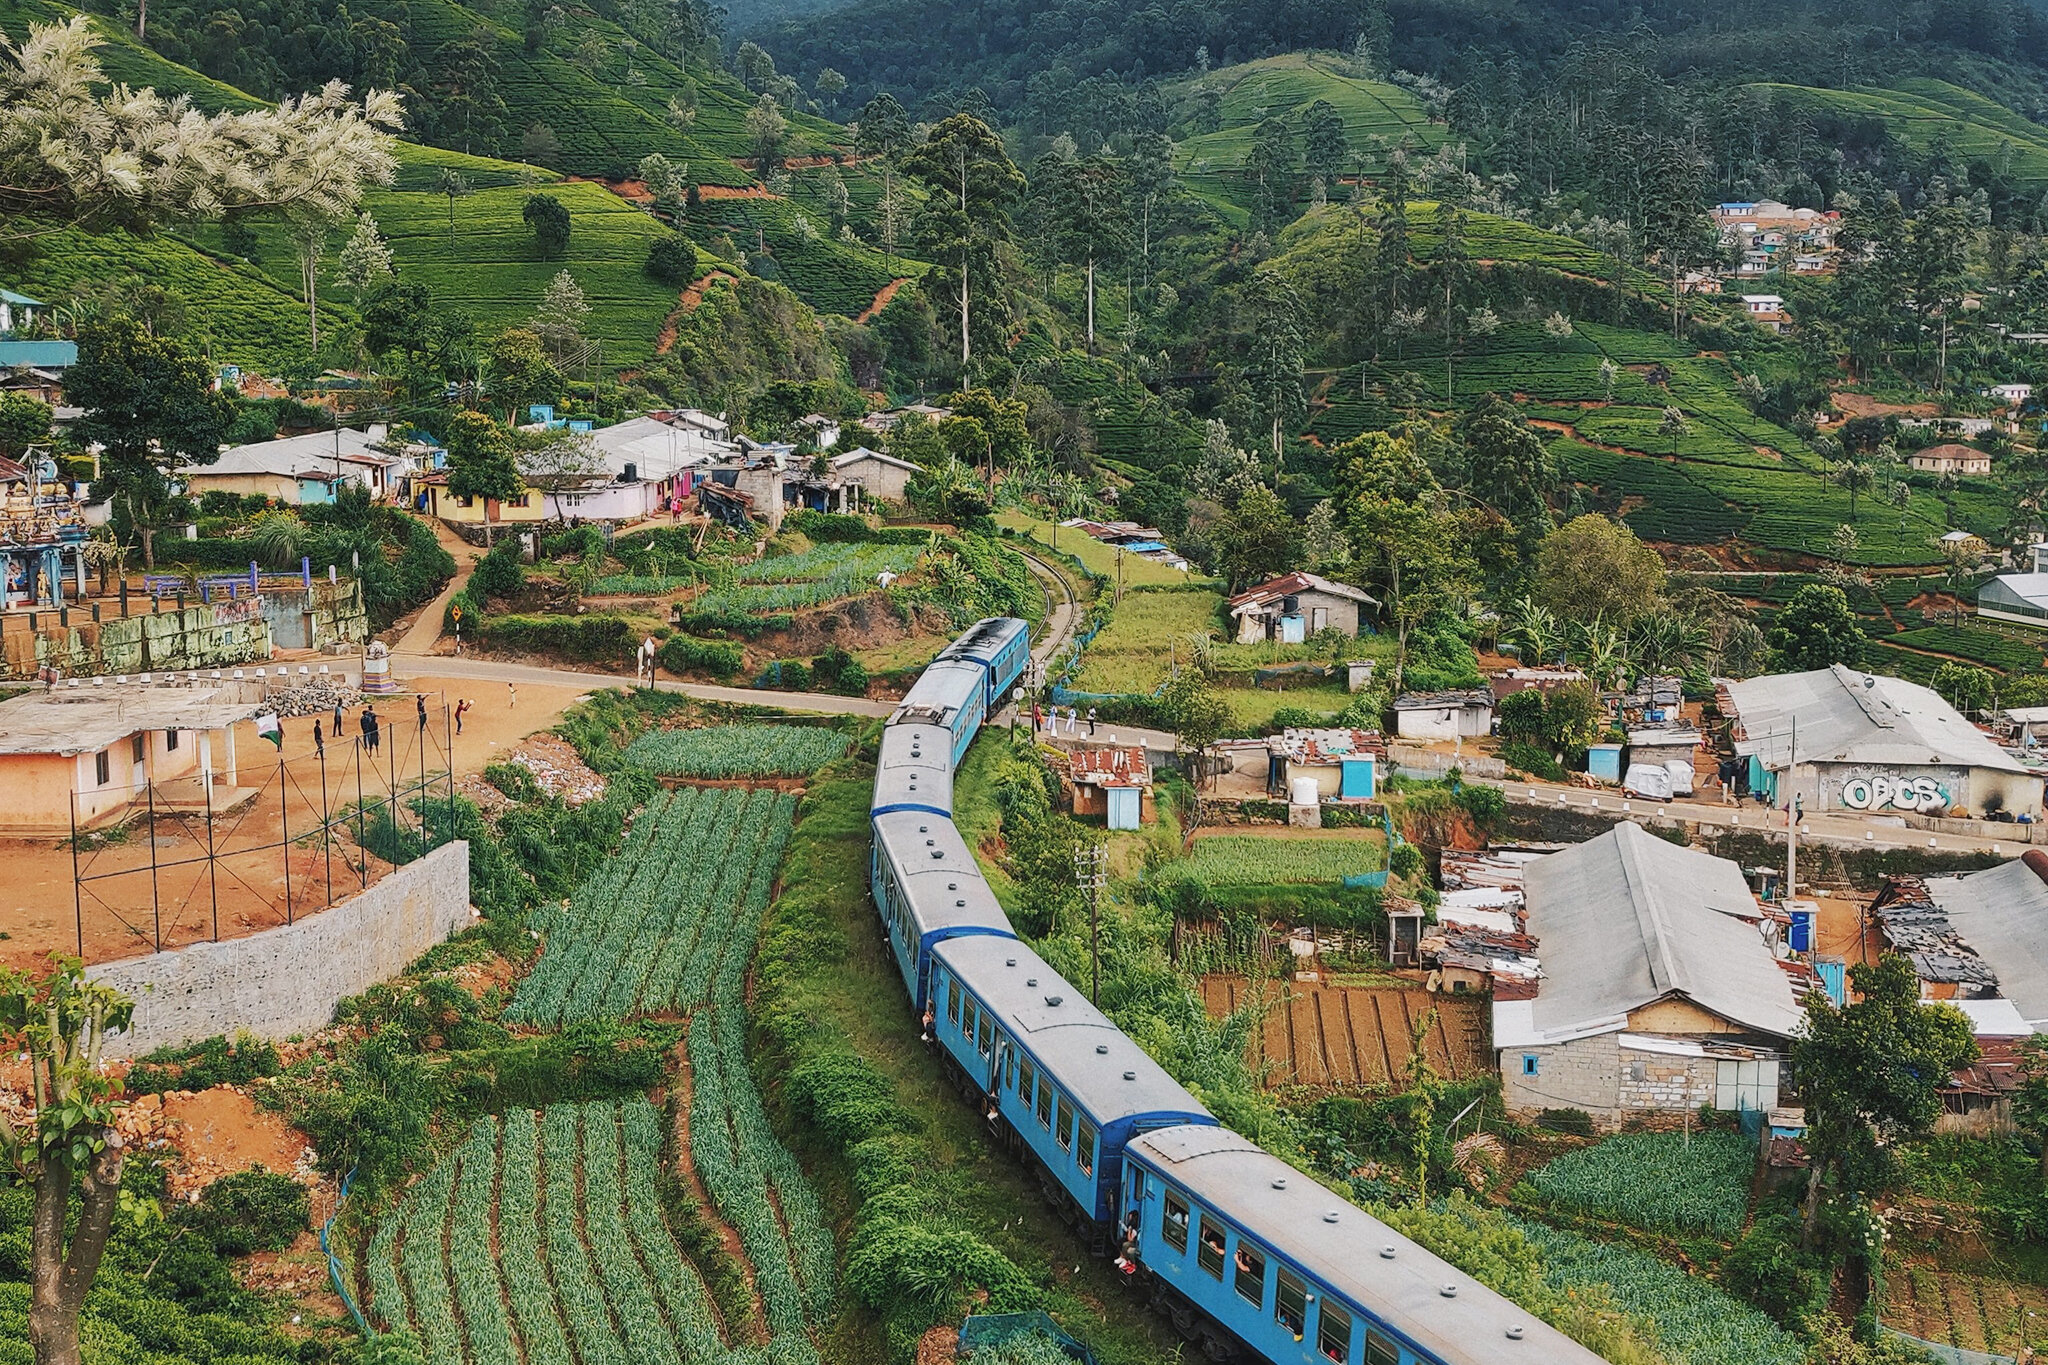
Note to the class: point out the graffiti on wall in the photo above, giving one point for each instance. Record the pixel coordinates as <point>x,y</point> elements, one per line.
<point>1883,792</point>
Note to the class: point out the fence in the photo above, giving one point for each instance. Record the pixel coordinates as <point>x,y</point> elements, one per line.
<point>202,857</point>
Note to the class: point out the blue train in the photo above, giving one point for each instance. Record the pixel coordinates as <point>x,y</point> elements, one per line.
<point>1249,1258</point>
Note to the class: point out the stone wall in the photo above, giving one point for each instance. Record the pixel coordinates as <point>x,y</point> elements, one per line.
<point>332,614</point>
<point>287,980</point>
<point>202,635</point>
<point>1610,1082</point>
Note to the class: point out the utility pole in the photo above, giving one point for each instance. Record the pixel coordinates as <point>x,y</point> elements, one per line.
<point>1791,815</point>
<point>1091,874</point>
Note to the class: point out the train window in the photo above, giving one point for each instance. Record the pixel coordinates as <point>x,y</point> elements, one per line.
<point>967,1012</point>
<point>1045,1105</point>
<point>1173,1224</point>
<point>1026,1078</point>
<point>1333,1332</point>
<point>1084,1148</point>
<point>1380,1348</point>
<point>1063,1131</point>
<point>953,1001</point>
<point>1290,1303</point>
<point>1249,1277</point>
<point>1136,1179</point>
<point>1209,1254</point>
<point>983,1031</point>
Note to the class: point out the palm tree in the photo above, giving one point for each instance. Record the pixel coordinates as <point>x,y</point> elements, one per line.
<point>1533,628</point>
<point>1673,425</point>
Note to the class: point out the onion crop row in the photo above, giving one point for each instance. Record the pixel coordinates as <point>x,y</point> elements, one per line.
<point>738,750</point>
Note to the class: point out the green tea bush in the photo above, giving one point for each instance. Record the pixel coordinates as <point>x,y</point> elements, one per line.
<point>248,1211</point>
<point>682,654</point>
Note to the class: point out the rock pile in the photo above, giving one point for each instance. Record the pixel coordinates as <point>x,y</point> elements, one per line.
<point>318,698</point>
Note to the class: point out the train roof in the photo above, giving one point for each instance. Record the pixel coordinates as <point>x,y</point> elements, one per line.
<point>985,638</point>
<point>915,767</point>
<point>1090,1058</point>
<point>1347,1248</point>
<point>940,691</point>
<point>943,886</point>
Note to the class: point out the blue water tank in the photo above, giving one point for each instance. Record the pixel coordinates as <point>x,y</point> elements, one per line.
<point>1801,937</point>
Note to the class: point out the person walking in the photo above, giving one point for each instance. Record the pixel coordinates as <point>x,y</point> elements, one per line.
<point>1091,722</point>
<point>319,744</point>
<point>461,710</point>
<point>511,696</point>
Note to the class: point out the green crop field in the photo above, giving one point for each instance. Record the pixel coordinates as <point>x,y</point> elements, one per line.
<point>1211,162</point>
<point>1663,1182</point>
<point>1135,651</point>
<point>1921,110</point>
<point>1697,1324</point>
<point>126,61</point>
<point>738,750</point>
<point>1248,860</point>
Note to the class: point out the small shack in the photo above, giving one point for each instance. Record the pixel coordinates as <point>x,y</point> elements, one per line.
<point>1445,715</point>
<point>1295,606</point>
<point>1670,747</point>
<point>1343,764</point>
<point>1112,782</point>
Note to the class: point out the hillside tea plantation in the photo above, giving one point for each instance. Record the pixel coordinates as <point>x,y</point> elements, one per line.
<point>1657,1181</point>
<point>728,751</point>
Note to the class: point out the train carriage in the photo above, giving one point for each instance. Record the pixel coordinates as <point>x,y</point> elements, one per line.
<point>914,771</point>
<point>929,889</point>
<point>1001,647</point>
<point>952,694</point>
<point>1251,1255</point>
<point>1068,1082</point>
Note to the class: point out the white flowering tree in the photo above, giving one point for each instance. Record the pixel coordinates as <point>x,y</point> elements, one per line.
<point>76,152</point>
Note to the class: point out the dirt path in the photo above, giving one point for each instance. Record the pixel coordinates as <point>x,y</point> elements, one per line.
<point>419,638</point>
<point>735,191</point>
<point>686,302</point>
<point>883,296</point>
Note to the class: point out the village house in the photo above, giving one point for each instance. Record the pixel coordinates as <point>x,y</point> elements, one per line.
<point>2020,597</point>
<point>2012,395</point>
<point>304,470</point>
<point>1699,282</point>
<point>1295,606</point>
<point>1951,458</point>
<point>1953,428</point>
<point>819,431</point>
<point>1869,743</point>
<point>480,516</point>
<point>1111,782</point>
<point>1766,310</point>
<point>1341,764</point>
<point>88,753</point>
<point>886,421</point>
<point>40,366</point>
<point>17,312</point>
<point>1444,715</point>
<point>884,478</point>
<point>1660,991</point>
<point>1507,682</point>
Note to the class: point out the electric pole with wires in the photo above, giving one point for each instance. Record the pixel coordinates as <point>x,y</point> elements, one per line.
<point>1091,875</point>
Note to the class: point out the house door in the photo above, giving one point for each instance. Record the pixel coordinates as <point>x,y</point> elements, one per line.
<point>1319,618</point>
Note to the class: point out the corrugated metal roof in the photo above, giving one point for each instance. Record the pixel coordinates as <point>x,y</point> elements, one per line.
<point>2003,914</point>
<point>53,355</point>
<point>1627,918</point>
<point>1850,717</point>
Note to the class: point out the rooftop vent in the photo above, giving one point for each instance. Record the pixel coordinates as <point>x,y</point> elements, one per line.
<point>1387,1252</point>
<point>1279,1182</point>
<point>1130,1075</point>
<point>1330,1217</point>
<point>1449,1291</point>
<point>1515,1331</point>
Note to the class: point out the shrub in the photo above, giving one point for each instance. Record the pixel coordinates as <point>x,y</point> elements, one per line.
<point>216,1061</point>
<point>1574,1121</point>
<point>681,654</point>
<point>1405,860</point>
<point>589,638</point>
<point>788,675</point>
<point>515,780</point>
<point>1527,758</point>
<point>498,574</point>
<point>1521,715</point>
<point>672,259</point>
<point>249,1211</point>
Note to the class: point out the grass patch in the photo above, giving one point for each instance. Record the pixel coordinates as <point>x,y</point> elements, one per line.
<point>1247,860</point>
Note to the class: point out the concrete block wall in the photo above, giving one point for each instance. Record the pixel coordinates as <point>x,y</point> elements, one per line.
<point>1657,1081</point>
<point>1581,1074</point>
<point>287,980</point>
<point>197,637</point>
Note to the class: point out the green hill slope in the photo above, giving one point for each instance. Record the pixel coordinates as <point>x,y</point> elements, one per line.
<point>1922,111</point>
<point>125,60</point>
<point>1377,118</point>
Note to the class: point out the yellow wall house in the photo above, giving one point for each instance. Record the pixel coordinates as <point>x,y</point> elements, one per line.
<point>527,509</point>
<point>89,753</point>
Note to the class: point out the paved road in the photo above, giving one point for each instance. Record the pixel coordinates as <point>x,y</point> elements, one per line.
<point>492,670</point>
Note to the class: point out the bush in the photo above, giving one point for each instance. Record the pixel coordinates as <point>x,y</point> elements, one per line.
<point>606,639</point>
<point>1521,715</point>
<point>1405,860</point>
<point>681,654</point>
<point>787,675</point>
<point>672,259</point>
<point>1527,758</point>
<point>1485,805</point>
<point>499,574</point>
<point>515,780</point>
<point>249,1211</point>
<point>217,1061</point>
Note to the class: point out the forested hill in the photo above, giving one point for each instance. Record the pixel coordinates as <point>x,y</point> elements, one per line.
<point>1027,56</point>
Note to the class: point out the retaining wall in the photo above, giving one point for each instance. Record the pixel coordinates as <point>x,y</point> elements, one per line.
<point>287,980</point>
<point>203,635</point>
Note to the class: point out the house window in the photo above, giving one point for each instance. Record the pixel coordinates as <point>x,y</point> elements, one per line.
<point>138,746</point>
<point>1209,1255</point>
<point>1084,1149</point>
<point>1249,1277</point>
<point>1333,1332</point>
<point>1063,1131</point>
<point>1290,1303</point>
<point>1380,1348</point>
<point>1173,1224</point>
<point>170,741</point>
<point>1528,1064</point>
<point>101,769</point>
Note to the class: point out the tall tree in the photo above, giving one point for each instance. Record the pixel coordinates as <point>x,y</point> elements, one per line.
<point>60,1023</point>
<point>549,220</point>
<point>973,185</point>
<point>1679,230</point>
<point>1257,539</point>
<point>559,320</point>
<point>1817,629</point>
<point>482,462</point>
<point>1325,144</point>
<point>1397,515</point>
<point>1870,1073</point>
<point>1454,271</point>
<point>151,404</point>
<point>1094,220</point>
<point>1507,465</point>
<point>1150,171</point>
<point>1273,364</point>
<point>1272,165</point>
<point>1593,569</point>
<point>451,185</point>
<point>766,129</point>
<point>884,127</point>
